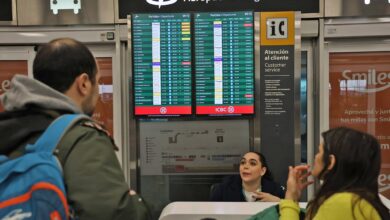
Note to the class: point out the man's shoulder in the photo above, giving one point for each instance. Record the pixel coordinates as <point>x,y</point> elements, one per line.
<point>88,125</point>
<point>85,135</point>
<point>88,130</point>
<point>94,125</point>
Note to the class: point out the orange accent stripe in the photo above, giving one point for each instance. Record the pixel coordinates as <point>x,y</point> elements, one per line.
<point>55,215</point>
<point>27,196</point>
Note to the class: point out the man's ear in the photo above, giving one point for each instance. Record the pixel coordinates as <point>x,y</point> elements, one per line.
<point>83,84</point>
<point>332,162</point>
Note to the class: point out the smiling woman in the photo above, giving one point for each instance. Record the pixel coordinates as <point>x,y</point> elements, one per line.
<point>255,183</point>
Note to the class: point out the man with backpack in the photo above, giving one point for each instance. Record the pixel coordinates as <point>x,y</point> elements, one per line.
<point>66,82</point>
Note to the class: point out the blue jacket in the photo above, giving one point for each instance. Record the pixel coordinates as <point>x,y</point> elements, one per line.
<point>230,190</point>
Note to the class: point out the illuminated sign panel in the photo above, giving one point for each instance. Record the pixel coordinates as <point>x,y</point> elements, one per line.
<point>127,7</point>
<point>162,64</point>
<point>224,63</point>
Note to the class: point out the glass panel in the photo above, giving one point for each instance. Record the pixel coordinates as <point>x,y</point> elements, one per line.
<point>304,107</point>
<point>358,97</point>
<point>104,108</point>
<point>180,160</point>
<point>8,68</point>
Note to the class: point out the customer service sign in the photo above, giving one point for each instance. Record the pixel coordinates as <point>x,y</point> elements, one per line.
<point>359,91</point>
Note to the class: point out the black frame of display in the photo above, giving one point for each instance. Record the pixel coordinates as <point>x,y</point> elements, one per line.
<point>193,114</point>
<point>254,67</point>
<point>132,68</point>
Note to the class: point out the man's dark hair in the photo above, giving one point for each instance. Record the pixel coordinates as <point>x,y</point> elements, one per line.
<point>59,62</point>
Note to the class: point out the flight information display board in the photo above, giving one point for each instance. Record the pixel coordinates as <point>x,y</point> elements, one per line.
<point>224,63</point>
<point>162,63</point>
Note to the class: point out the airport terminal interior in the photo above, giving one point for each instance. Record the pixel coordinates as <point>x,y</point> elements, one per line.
<point>189,86</point>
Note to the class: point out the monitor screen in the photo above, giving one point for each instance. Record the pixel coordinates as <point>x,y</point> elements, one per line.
<point>162,64</point>
<point>224,63</point>
<point>6,10</point>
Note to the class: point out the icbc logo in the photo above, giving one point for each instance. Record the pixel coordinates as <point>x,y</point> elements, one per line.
<point>163,110</point>
<point>221,109</point>
<point>231,109</point>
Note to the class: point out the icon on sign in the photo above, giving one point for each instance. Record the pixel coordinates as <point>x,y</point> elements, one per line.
<point>230,109</point>
<point>163,110</point>
<point>56,5</point>
<point>277,28</point>
<point>160,3</point>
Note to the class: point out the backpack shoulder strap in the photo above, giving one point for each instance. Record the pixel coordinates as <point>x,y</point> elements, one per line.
<point>66,145</point>
<point>49,140</point>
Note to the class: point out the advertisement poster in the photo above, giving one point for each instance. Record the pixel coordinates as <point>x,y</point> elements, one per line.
<point>359,91</point>
<point>8,68</point>
<point>104,107</point>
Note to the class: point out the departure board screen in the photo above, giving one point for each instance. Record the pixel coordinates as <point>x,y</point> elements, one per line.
<point>224,63</point>
<point>162,64</point>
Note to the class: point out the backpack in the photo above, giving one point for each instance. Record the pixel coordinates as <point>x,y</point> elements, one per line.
<point>32,185</point>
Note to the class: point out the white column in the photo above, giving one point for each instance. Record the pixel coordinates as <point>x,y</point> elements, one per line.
<point>156,63</point>
<point>218,82</point>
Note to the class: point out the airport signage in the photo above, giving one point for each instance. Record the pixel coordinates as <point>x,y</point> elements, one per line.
<point>277,72</point>
<point>127,7</point>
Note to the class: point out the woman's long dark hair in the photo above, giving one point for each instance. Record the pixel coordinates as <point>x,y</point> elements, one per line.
<point>263,161</point>
<point>357,167</point>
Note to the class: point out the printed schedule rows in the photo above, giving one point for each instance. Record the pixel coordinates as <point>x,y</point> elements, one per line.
<point>167,56</point>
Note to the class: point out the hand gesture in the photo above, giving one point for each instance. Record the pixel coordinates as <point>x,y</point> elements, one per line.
<point>265,197</point>
<point>297,181</point>
<point>132,192</point>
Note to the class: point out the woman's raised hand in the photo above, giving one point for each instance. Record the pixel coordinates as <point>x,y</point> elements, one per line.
<point>297,181</point>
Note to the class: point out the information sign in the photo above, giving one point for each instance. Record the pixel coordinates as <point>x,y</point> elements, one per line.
<point>162,63</point>
<point>224,64</point>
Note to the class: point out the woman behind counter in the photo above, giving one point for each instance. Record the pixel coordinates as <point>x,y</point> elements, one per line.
<point>255,183</point>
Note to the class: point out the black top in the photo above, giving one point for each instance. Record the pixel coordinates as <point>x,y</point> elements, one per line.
<point>22,127</point>
<point>230,190</point>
